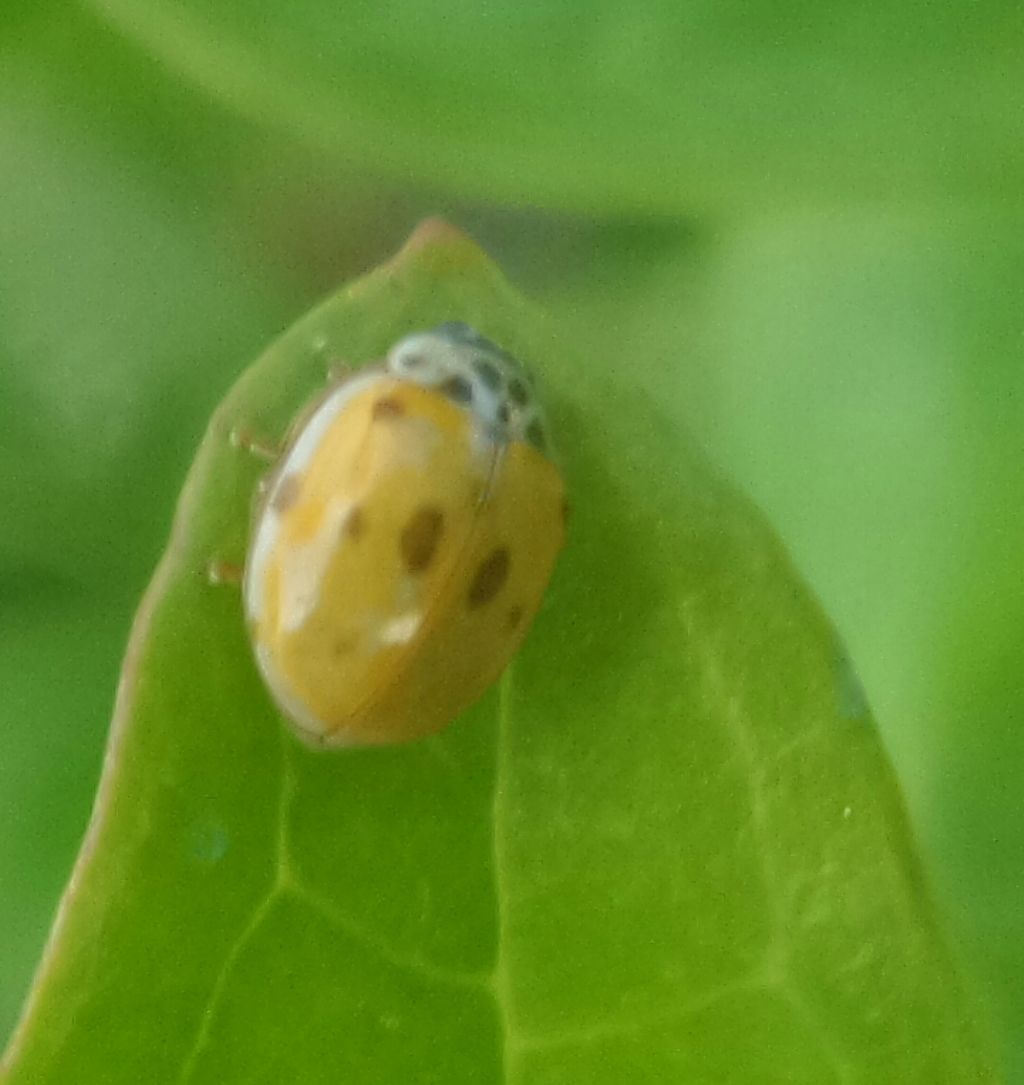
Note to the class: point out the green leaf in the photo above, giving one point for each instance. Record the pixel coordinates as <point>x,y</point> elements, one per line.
<point>58,663</point>
<point>646,104</point>
<point>123,316</point>
<point>667,848</point>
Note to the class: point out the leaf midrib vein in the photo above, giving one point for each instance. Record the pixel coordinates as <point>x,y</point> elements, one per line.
<point>501,981</point>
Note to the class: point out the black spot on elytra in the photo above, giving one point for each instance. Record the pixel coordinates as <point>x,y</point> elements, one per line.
<point>354,526</point>
<point>420,538</point>
<point>388,407</point>
<point>490,578</point>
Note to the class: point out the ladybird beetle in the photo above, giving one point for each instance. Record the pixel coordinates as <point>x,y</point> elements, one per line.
<point>404,542</point>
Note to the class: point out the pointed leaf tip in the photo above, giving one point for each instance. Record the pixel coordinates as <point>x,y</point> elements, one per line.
<point>437,245</point>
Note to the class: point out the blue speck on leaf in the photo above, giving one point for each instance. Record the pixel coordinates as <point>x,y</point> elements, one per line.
<point>208,842</point>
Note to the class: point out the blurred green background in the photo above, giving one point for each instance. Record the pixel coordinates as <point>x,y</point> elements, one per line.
<point>804,223</point>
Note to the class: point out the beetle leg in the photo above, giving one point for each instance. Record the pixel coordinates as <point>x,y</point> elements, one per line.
<point>259,447</point>
<point>220,573</point>
<point>337,372</point>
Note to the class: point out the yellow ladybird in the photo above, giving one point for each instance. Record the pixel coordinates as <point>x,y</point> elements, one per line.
<point>405,542</point>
